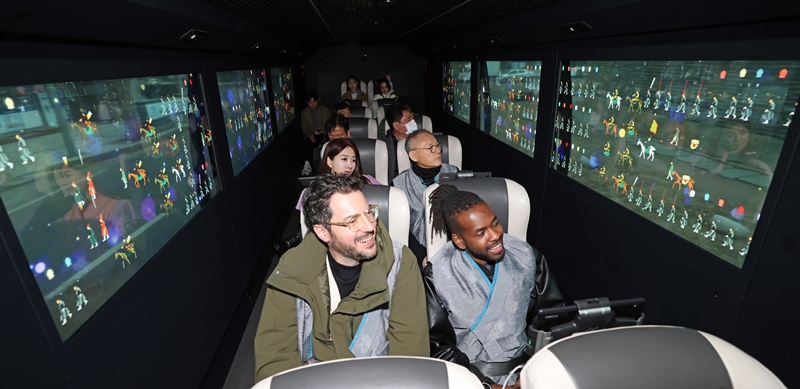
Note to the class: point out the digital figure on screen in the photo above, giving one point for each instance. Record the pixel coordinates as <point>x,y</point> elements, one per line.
<point>167,205</point>
<point>624,157</point>
<point>103,228</point>
<point>649,205</point>
<point>698,225</point>
<point>124,178</point>
<point>4,161</point>
<point>671,216</point>
<point>77,196</point>
<point>91,237</point>
<point>64,312</point>
<point>727,240</point>
<point>769,113</point>
<point>660,209</point>
<point>24,151</point>
<point>684,218</point>
<point>91,191</point>
<point>148,131</point>
<point>138,174</point>
<point>682,106</point>
<point>712,231</point>
<point>696,106</point>
<point>746,248</point>
<point>731,109</point>
<point>80,298</point>
<point>747,109</point>
<point>712,113</point>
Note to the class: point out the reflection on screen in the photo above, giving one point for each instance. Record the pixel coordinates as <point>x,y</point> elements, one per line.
<point>457,88</point>
<point>97,176</point>
<point>282,96</point>
<point>509,100</point>
<point>246,112</point>
<point>689,145</point>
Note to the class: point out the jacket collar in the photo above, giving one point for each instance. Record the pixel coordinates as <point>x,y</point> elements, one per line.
<point>304,264</point>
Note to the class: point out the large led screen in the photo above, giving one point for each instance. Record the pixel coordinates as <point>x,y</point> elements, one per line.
<point>457,88</point>
<point>509,102</point>
<point>97,176</point>
<point>246,111</point>
<point>282,96</point>
<point>689,145</point>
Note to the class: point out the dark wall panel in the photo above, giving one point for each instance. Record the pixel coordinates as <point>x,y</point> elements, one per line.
<point>169,336</point>
<point>26,360</point>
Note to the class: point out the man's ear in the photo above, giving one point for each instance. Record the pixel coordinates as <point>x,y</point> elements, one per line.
<point>458,241</point>
<point>322,233</point>
<point>412,155</point>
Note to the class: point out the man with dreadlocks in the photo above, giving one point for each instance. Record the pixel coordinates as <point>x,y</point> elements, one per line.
<point>489,286</point>
<point>348,290</point>
<point>425,155</point>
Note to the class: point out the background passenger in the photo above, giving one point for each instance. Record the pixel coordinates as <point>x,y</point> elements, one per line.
<point>386,91</point>
<point>401,122</point>
<point>341,157</point>
<point>353,92</point>
<point>425,155</point>
<point>312,122</point>
<point>348,267</point>
<point>337,127</point>
<point>342,108</point>
<point>489,286</point>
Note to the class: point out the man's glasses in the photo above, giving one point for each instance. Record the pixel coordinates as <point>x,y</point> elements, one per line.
<point>356,222</point>
<point>432,149</point>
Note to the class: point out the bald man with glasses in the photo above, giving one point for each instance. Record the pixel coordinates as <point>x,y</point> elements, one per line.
<point>425,155</point>
<point>348,290</point>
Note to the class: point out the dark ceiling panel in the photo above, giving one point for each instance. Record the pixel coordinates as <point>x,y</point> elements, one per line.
<point>371,21</point>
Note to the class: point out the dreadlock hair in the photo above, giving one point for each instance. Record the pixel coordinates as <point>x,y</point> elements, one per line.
<point>447,202</point>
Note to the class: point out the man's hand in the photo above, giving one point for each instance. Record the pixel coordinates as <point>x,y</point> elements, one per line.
<point>312,139</point>
<point>318,132</point>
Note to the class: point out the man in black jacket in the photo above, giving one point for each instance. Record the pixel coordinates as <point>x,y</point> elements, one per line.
<point>489,286</point>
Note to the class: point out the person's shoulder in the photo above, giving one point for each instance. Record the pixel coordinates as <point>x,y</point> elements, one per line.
<point>448,168</point>
<point>518,246</point>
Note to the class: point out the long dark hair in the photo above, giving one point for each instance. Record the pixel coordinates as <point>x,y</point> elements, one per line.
<point>358,83</point>
<point>333,149</point>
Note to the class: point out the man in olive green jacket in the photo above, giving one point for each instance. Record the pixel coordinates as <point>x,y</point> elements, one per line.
<point>375,304</point>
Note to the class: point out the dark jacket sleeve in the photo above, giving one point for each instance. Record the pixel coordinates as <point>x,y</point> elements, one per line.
<point>442,335</point>
<point>545,293</point>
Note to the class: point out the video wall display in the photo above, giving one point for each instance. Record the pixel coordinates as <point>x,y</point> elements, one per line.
<point>97,176</point>
<point>246,111</point>
<point>282,96</point>
<point>689,145</point>
<point>457,88</point>
<point>509,101</point>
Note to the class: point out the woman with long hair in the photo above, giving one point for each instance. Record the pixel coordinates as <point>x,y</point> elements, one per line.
<point>341,157</point>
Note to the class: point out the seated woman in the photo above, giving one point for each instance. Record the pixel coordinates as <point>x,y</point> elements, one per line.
<point>386,90</point>
<point>353,93</point>
<point>341,157</point>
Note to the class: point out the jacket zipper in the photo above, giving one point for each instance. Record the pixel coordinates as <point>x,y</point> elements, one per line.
<point>351,327</point>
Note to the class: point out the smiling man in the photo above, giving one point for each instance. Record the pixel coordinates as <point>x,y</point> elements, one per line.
<point>346,291</point>
<point>425,155</point>
<point>488,287</point>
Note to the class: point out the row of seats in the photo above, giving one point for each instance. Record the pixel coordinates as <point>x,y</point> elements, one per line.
<point>361,126</point>
<point>375,156</point>
<point>371,88</point>
<point>656,357</point>
<point>652,356</point>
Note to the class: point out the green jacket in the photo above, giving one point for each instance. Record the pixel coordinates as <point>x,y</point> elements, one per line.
<point>302,272</point>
